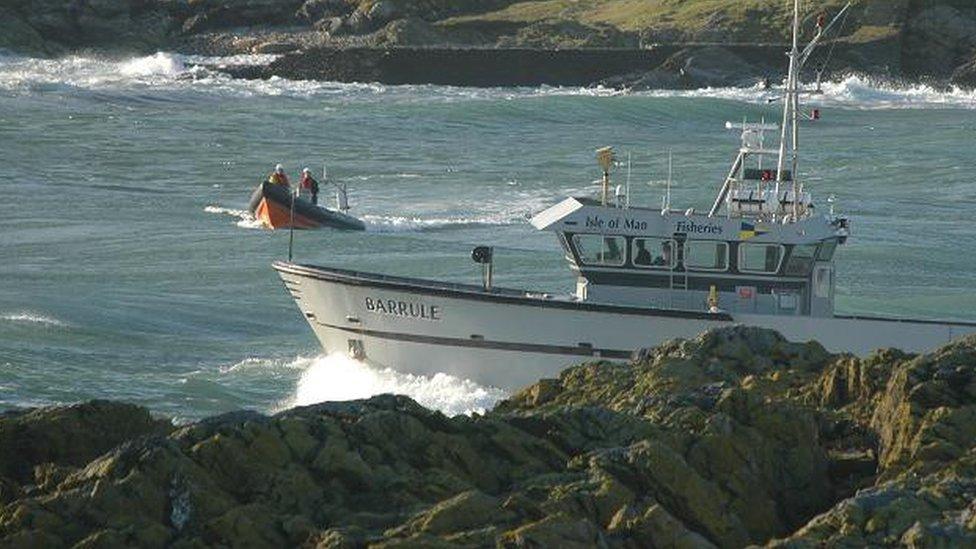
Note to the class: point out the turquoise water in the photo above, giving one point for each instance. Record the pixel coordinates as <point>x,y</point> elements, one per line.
<point>127,270</point>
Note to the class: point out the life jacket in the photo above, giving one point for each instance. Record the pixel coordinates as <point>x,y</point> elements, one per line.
<point>278,179</point>
<point>309,182</point>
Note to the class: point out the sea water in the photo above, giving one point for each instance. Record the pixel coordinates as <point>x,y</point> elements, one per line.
<point>130,270</point>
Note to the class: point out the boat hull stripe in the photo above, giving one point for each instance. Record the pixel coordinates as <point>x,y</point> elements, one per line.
<point>485,344</point>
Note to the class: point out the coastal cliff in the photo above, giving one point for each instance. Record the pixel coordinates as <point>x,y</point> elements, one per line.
<point>707,43</point>
<point>734,438</point>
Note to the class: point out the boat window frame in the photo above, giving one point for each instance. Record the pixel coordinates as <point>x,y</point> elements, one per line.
<point>652,267</point>
<point>574,241</point>
<point>567,248</point>
<point>684,256</point>
<point>744,245</point>
<point>812,259</point>
<point>827,249</point>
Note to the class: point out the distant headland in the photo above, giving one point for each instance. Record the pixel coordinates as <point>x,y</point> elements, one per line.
<point>618,43</point>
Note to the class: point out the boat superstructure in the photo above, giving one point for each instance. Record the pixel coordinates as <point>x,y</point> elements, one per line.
<point>762,255</point>
<point>762,248</point>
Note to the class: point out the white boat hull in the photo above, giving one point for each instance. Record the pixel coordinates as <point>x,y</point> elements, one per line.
<point>510,339</point>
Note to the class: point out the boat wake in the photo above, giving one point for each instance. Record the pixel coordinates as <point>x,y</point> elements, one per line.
<point>27,317</point>
<point>244,218</point>
<point>404,224</point>
<point>337,377</point>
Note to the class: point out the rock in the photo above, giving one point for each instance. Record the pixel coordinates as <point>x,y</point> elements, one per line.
<point>274,46</point>
<point>382,12</point>
<point>18,35</point>
<point>108,24</point>
<point>568,35</point>
<point>412,32</point>
<point>465,511</point>
<point>554,531</point>
<point>331,25</point>
<point>734,438</point>
<point>314,11</point>
<point>69,435</point>
<point>965,75</point>
<point>711,66</point>
<point>937,40</point>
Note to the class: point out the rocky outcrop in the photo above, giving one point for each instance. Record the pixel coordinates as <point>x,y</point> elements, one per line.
<point>56,26</point>
<point>68,436</point>
<point>937,40</point>
<point>737,437</point>
<point>463,67</point>
<point>965,75</point>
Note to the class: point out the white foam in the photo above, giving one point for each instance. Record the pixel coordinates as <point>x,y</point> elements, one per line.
<point>337,377</point>
<point>854,91</point>
<point>244,59</point>
<point>244,218</point>
<point>168,71</point>
<point>863,92</point>
<point>160,64</point>
<point>32,318</point>
<point>398,224</point>
<point>263,365</point>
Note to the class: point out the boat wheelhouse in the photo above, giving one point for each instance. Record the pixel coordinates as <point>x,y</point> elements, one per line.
<point>757,251</point>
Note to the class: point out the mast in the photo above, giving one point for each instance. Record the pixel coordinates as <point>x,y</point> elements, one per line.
<point>789,141</point>
<point>791,110</point>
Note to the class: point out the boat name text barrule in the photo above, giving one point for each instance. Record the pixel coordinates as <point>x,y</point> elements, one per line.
<point>404,309</point>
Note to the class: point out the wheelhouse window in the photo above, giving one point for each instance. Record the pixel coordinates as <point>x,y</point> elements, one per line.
<point>760,258</point>
<point>703,255</point>
<point>801,260</point>
<point>653,253</point>
<point>594,249</point>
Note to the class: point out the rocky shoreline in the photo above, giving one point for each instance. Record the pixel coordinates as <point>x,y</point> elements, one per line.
<point>735,438</point>
<point>673,66</point>
<point>608,42</point>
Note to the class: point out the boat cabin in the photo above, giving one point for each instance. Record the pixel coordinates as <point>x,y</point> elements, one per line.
<point>670,259</point>
<point>761,249</point>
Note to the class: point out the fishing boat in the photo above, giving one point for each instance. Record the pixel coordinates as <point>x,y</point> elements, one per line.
<point>763,254</point>
<point>277,207</point>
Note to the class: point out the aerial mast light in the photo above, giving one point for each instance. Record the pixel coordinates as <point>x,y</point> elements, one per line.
<point>607,159</point>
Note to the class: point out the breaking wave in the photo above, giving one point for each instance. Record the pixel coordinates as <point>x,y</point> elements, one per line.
<point>337,377</point>
<point>856,91</point>
<point>168,72</point>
